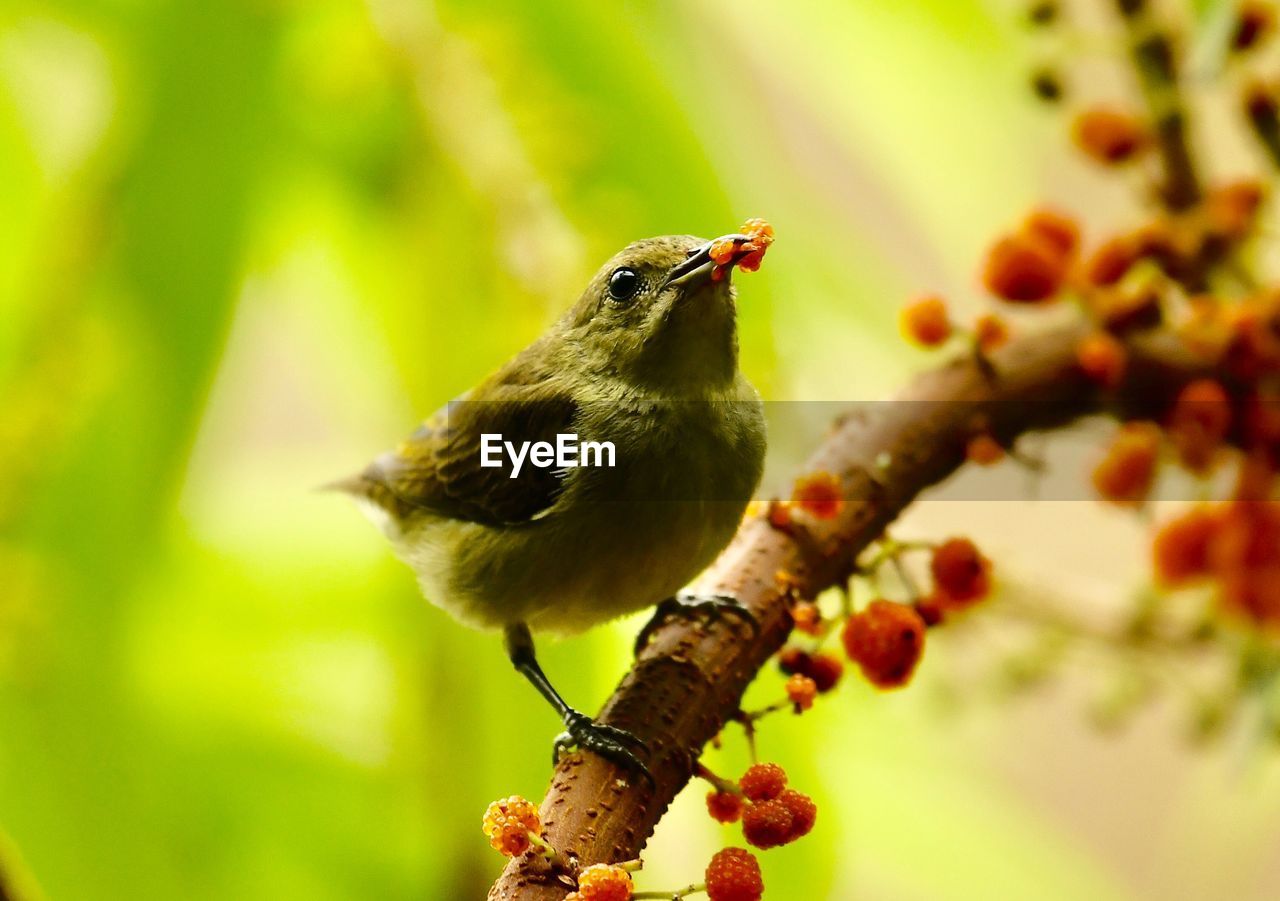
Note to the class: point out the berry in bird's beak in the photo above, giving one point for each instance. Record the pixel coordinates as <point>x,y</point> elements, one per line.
<point>716,258</point>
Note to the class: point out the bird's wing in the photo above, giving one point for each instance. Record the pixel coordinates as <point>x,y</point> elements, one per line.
<point>437,469</point>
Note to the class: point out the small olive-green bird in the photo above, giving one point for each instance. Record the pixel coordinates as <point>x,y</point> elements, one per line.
<point>647,361</point>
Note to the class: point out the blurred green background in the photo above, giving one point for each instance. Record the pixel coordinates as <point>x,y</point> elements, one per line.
<point>246,244</point>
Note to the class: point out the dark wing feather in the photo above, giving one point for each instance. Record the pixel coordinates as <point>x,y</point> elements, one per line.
<point>437,469</point>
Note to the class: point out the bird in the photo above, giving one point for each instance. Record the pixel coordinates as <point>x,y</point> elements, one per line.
<point>505,532</point>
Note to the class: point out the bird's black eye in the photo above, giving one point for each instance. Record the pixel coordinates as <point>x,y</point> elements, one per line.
<point>623,284</point>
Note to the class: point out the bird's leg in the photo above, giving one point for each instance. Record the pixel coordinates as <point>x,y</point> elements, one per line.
<point>711,606</point>
<point>581,731</point>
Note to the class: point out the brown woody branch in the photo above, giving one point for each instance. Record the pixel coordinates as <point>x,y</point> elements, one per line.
<point>688,682</point>
<point>1154,58</point>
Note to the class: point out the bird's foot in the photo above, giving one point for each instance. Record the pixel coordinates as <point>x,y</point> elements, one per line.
<point>710,606</point>
<point>609,742</point>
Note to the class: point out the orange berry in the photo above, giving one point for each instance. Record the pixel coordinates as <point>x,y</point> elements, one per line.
<point>886,641</point>
<point>767,824</point>
<point>1109,136</point>
<point>819,495</point>
<point>722,251</point>
<point>724,806</point>
<point>925,321</point>
<point>605,882</point>
<point>1199,422</point>
<point>574,896</point>
<point>1111,261</point>
<point>932,609</point>
<point>1232,209</point>
<point>990,332</point>
<point>825,670</point>
<point>1102,358</point>
<point>1126,473</point>
<point>508,823</point>
<point>807,617</point>
<point>801,690</point>
<point>1181,546</point>
<point>734,875</point>
<point>804,813</point>
<point>983,450</point>
<point>1254,21</point>
<point>763,781</point>
<point>1057,229</point>
<point>960,572</point>
<point>1024,268</point>
<point>1244,555</point>
<point>759,231</point>
<point>779,515</point>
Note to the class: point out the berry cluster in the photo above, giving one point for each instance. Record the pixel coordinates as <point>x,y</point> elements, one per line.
<point>771,813</point>
<point>1182,271</point>
<point>602,882</point>
<point>746,250</point>
<point>512,825</point>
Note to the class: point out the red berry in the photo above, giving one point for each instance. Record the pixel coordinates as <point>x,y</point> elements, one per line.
<point>734,875</point>
<point>1126,473</point>
<point>886,641</point>
<point>960,571</point>
<point>1200,420</point>
<point>825,670</point>
<point>792,660</point>
<point>819,495</point>
<point>763,781</point>
<point>803,812</point>
<point>1181,546</point>
<point>724,806</point>
<point>767,824</point>
<point>1024,268</point>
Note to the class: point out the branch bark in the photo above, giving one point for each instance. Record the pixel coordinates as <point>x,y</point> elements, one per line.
<point>689,681</point>
<point>1154,59</point>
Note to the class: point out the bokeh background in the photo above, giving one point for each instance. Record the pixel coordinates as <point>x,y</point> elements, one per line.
<point>246,244</point>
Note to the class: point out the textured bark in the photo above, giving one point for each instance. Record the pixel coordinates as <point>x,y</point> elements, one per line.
<point>689,681</point>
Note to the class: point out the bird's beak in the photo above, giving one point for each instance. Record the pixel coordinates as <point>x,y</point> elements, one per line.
<point>698,264</point>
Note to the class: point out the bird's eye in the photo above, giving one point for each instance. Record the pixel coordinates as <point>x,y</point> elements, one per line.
<point>623,284</point>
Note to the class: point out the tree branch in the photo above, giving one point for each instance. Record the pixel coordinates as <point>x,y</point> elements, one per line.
<point>1154,60</point>
<point>689,681</point>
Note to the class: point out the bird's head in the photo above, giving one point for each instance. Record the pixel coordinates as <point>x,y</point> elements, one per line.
<point>661,312</point>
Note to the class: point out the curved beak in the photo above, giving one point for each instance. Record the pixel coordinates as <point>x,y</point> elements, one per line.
<point>698,264</point>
